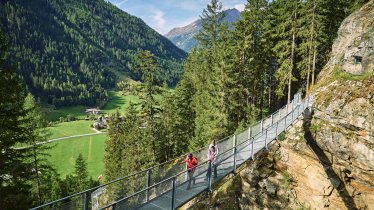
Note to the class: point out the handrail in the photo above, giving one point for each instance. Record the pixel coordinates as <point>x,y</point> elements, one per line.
<point>262,130</point>
<point>161,182</point>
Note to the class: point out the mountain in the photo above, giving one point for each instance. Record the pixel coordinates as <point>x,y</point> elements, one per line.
<point>69,52</point>
<point>184,37</point>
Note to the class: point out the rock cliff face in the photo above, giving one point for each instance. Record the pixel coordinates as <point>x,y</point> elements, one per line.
<point>326,160</point>
<point>354,47</point>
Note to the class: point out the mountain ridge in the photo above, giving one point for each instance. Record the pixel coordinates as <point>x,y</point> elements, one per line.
<point>184,37</point>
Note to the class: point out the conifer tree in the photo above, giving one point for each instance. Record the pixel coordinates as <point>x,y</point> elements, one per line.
<point>114,146</point>
<point>15,172</point>
<point>183,114</point>
<point>37,123</point>
<point>80,172</point>
<point>252,60</point>
<point>285,14</point>
<point>210,66</point>
<point>150,69</point>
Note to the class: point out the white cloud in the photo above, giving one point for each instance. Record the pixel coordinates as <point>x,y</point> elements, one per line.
<point>120,2</point>
<point>159,20</point>
<point>240,7</point>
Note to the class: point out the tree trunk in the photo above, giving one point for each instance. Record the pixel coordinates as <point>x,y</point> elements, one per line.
<point>310,48</point>
<point>292,59</point>
<point>314,63</point>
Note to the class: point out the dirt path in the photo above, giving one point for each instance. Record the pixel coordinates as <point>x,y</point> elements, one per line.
<point>66,137</point>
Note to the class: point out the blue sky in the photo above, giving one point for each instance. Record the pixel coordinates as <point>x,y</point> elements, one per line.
<point>163,15</point>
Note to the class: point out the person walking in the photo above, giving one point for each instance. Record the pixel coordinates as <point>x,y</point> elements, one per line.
<point>191,166</point>
<point>214,164</point>
<point>212,159</point>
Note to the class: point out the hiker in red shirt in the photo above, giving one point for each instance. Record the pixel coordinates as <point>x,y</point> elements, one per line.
<point>191,166</point>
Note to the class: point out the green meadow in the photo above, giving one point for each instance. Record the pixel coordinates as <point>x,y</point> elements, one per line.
<point>71,129</point>
<point>64,152</point>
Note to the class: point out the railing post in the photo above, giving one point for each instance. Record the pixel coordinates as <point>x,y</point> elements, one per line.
<point>234,151</point>
<point>234,171</point>
<point>249,135</point>
<point>210,177</point>
<point>292,115</point>
<point>285,121</point>
<point>271,119</point>
<point>253,156</point>
<point>233,144</point>
<point>86,200</point>
<point>148,184</point>
<point>173,195</point>
<point>261,126</point>
<point>114,206</point>
<point>276,130</point>
<point>266,136</point>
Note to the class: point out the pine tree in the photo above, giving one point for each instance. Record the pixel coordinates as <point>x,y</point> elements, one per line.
<point>37,124</point>
<point>114,146</point>
<point>150,69</point>
<point>252,62</point>
<point>183,117</point>
<point>210,65</point>
<point>285,14</point>
<point>80,172</point>
<point>15,172</point>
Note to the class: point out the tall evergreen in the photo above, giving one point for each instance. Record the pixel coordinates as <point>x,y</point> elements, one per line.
<point>210,66</point>
<point>40,166</point>
<point>114,146</point>
<point>15,172</point>
<point>150,69</point>
<point>285,14</point>
<point>251,56</point>
<point>80,172</point>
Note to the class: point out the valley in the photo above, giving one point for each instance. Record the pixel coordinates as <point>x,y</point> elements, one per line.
<point>64,151</point>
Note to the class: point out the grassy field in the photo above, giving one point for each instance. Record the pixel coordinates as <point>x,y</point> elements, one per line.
<point>71,128</point>
<point>117,101</point>
<point>75,111</point>
<point>64,153</point>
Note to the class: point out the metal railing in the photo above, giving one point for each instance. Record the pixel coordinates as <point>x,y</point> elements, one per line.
<point>137,189</point>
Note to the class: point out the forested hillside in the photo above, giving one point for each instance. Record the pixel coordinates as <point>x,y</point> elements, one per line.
<point>69,52</point>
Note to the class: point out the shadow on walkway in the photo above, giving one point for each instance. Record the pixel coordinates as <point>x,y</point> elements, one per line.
<point>335,180</point>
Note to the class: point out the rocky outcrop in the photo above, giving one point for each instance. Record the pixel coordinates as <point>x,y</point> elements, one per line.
<point>330,153</point>
<point>353,49</point>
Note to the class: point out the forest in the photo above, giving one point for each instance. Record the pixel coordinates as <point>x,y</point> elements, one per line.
<point>71,52</point>
<point>231,80</point>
